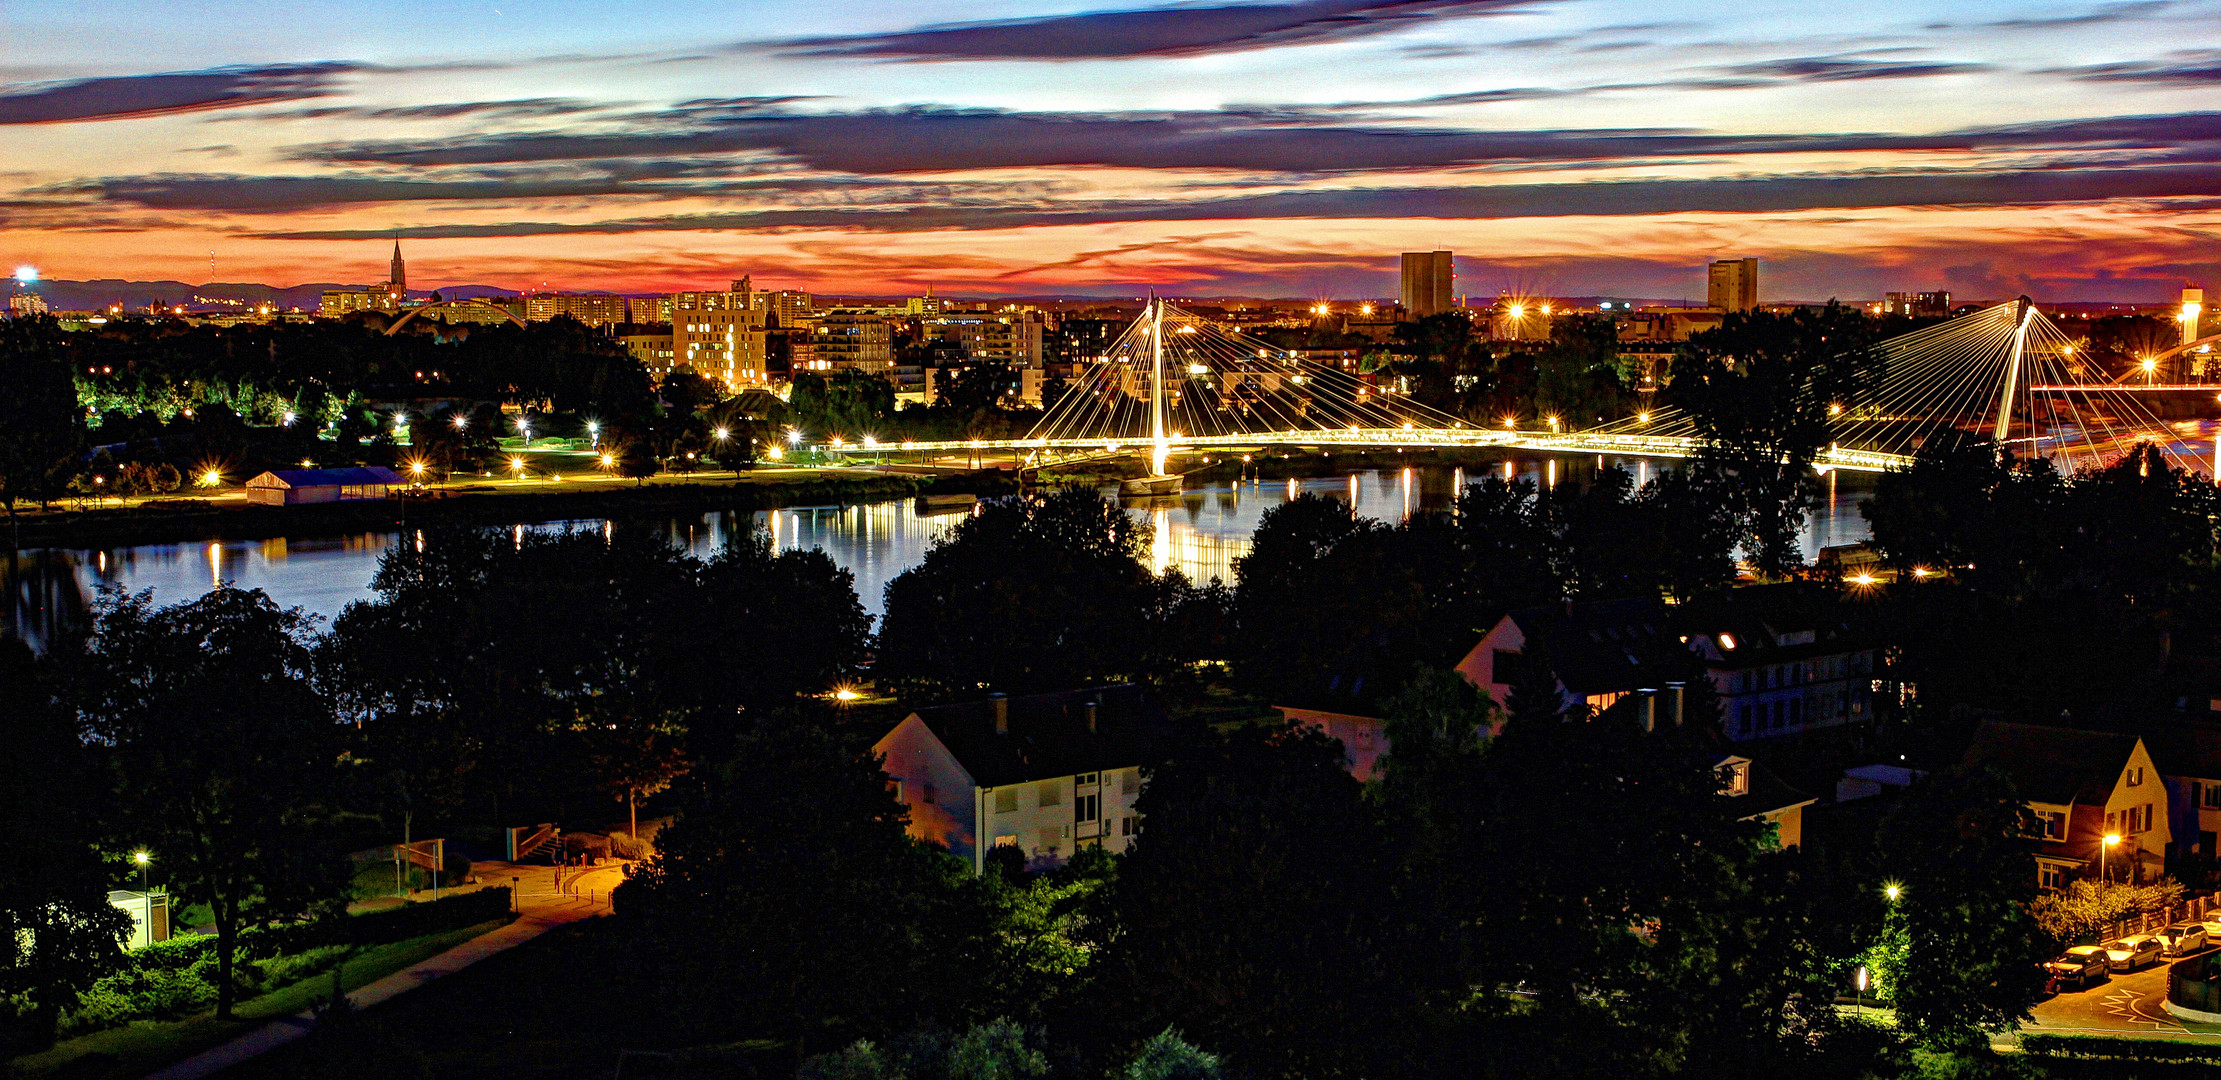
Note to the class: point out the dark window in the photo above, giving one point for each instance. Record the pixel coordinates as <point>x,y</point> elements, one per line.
<point>928,786</point>
<point>1743,718</point>
<point>1085,807</point>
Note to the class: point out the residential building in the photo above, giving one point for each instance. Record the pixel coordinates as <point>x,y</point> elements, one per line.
<point>2084,787</point>
<point>654,350</point>
<point>1783,659</point>
<point>593,309</point>
<point>1665,325</point>
<point>1598,653</point>
<point>338,303</point>
<point>1006,337</point>
<point>1364,738</point>
<point>720,336</point>
<point>1732,285</point>
<point>2193,308</point>
<point>787,309</point>
<point>1428,285</point>
<point>1047,774</point>
<point>1763,796</point>
<point>851,339</point>
<point>1917,304</point>
<point>24,304</point>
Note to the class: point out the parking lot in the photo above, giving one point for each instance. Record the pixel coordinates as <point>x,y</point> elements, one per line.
<point>2129,1003</point>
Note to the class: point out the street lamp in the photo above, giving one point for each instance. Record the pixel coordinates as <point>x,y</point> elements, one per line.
<point>594,430</point>
<point>1862,977</point>
<point>2105,855</point>
<point>141,858</point>
<point>524,428</point>
<point>461,421</point>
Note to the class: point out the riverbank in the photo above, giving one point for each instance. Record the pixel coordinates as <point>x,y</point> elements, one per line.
<point>186,520</point>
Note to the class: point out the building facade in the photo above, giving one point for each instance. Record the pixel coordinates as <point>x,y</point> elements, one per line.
<point>593,309</point>
<point>720,336</point>
<point>1046,774</point>
<point>1732,285</point>
<point>1428,284</point>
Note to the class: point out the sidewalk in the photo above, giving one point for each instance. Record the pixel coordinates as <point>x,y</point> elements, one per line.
<point>584,894</point>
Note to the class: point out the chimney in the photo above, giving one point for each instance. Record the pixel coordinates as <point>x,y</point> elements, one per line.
<point>1001,704</point>
<point>1091,710</point>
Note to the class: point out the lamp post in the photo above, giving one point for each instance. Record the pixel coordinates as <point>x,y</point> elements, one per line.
<point>1861,984</point>
<point>2105,853</point>
<point>141,858</point>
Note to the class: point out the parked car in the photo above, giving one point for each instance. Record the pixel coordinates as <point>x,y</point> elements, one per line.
<point>2078,968</point>
<point>2185,938</point>
<point>2135,951</point>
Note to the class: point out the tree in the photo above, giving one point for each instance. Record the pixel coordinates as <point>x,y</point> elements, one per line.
<point>634,756</point>
<point>1577,377</point>
<point>1958,849</point>
<point>1765,391</point>
<point>42,430</point>
<point>1025,595</point>
<point>1256,911</point>
<point>58,932</point>
<point>223,750</point>
<point>789,893</point>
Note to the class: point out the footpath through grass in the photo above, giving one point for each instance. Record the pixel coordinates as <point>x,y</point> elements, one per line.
<point>146,1045</point>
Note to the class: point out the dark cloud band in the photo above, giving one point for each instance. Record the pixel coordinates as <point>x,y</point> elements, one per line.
<point>1150,32</point>
<point>127,96</point>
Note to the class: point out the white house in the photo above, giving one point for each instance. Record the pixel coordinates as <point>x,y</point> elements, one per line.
<point>1047,774</point>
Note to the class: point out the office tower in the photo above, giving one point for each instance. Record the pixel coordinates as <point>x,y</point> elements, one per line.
<point>1732,285</point>
<point>1426,288</point>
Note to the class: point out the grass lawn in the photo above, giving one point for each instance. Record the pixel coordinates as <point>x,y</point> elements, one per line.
<point>142,1047</point>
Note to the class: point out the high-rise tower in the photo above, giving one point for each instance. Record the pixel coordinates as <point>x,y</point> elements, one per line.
<point>1427,287</point>
<point>1732,285</point>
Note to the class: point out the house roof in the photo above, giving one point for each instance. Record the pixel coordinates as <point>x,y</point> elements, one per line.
<point>1048,734</point>
<point>2186,749</point>
<point>1607,646</point>
<point>2050,764</point>
<point>1769,624</point>
<point>1768,791</point>
<point>300,478</point>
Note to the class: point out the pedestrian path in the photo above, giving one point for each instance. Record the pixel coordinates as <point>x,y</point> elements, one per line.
<point>546,898</point>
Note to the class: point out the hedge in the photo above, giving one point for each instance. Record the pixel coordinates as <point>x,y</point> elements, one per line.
<point>2100,1046</point>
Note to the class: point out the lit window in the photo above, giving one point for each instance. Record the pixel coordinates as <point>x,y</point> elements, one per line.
<point>1727,641</point>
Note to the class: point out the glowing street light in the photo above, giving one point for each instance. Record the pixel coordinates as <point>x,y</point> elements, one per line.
<point>516,465</point>
<point>211,478</point>
<point>794,436</point>
<point>461,421</point>
<point>141,858</point>
<point>2105,856</point>
<point>721,434</point>
<point>594,431</point>
<point>1892,890</point>
<point>609,461</point>
<point>524,428</point>
<point>287,421</point>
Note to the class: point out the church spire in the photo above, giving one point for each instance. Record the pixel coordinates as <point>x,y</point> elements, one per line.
<point>399,276</point>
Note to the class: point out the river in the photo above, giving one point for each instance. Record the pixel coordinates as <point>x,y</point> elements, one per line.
<point>1202,531</point>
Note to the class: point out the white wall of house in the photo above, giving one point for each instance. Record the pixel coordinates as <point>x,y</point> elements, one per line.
<point>930,781</point>
<point>2137,809</point>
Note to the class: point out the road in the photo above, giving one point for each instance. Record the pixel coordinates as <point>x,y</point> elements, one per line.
<point>2128,1004</point>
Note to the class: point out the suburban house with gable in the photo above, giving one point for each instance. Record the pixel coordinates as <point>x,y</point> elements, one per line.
<point>1047,774</point>
<point>1767,798</point>
<point>1598,653</point>
<point>2083,786</point>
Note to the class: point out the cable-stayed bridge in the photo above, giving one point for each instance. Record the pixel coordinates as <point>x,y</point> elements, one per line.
<point>1175,383</point>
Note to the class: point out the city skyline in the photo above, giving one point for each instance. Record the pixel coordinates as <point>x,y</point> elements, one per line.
<point>1278,149</point>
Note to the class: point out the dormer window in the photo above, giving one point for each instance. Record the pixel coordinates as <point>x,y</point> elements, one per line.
<point>2134,776</point>
<point>1738,778</point>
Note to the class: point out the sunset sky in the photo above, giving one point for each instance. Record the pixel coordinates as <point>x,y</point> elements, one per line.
<point>2069,150</point>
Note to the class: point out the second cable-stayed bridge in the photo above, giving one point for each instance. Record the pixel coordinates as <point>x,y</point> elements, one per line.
<point>1176,384</point>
